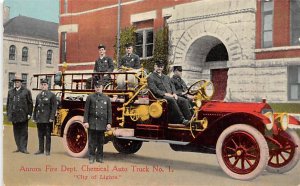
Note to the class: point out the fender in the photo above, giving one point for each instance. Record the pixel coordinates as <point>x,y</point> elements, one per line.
<point>293,123</point>
<point>214,130</point>
<point>71,113</point>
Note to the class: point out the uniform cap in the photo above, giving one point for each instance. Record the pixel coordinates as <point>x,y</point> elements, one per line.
<point>98,83</point>
<point>128,45</point>
<point>179,68</point>
<point>44,81</point>
<point>101,46</point>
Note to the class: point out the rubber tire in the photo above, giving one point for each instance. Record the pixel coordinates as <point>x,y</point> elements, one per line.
<point>260,140</point>
<point>295,138</point>
<point>72,121</point>
<point>126,146</point>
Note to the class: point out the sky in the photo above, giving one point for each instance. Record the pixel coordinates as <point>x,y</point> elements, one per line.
<point>47,10</point>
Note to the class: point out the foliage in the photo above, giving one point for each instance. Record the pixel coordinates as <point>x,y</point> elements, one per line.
<point>160,46</point>
<point>127,35</point>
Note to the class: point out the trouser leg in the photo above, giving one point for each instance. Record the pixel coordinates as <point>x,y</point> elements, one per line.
<point>184,107</point>
<point>92,144</point>
<point>16,130</point>
<point>40,127</point>
<point>48,129</point>
<point>100,142</point>
<point>23,135</point>
<point>175,114</point>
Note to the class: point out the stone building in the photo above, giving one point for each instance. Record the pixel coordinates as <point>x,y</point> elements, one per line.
<point>30,46</point>
<point>249,49</point>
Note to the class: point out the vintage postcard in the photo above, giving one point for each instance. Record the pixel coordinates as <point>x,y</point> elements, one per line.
<point>151,92</point>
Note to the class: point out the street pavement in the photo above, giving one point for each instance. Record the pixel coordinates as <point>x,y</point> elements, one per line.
<point>154,164</point>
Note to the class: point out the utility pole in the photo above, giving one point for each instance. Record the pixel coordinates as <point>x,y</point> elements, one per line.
<point>118,27</point>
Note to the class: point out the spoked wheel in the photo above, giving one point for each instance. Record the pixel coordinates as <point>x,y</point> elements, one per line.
<point>75,137</point>
<point>127,146</point>
<point>284,152</point>
<point>242,152</point>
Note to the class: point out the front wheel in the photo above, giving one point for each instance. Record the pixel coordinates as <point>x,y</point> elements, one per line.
<point>242,152</point>
<point>75,138</point>
<point>127,146</point>
<point>284,152</point>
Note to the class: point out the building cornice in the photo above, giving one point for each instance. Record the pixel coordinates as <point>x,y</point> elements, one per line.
<point>234,12</point>
<point>99,9</point>
<point>29,40</point>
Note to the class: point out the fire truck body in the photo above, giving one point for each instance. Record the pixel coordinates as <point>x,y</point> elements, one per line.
<point>246,137</point>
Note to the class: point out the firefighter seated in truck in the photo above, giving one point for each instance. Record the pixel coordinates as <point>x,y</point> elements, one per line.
<point>181,88</point>
<point>162,87</point>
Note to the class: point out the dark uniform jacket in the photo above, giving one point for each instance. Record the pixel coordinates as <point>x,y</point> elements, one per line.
<point>104,65</point>
<point>19,105</point>
<point>45,107</point>
<point>97,111</point>
<point>131,61</point>
<point>179,84</point>
<point>159,85</point>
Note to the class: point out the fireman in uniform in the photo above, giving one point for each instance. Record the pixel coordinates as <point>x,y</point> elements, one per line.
<point>19,111</point>
<point>130,60</point>
<point>103,64</point>
<point>179,84</point>
<point>97,118</point>
<point>44,115</point>
<point>162,87</point>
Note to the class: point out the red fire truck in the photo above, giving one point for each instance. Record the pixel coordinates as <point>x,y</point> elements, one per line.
<point>246,137</point>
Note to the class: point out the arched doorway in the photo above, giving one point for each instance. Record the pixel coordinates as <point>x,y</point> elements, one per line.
<point>209,54</point>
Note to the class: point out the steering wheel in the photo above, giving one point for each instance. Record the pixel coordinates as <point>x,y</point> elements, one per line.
<point>205,88</point>
<point>196,87</point>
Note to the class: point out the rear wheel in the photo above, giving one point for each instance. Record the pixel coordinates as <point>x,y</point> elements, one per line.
<point>284,152</point>
<point>75,138</point>
<point>127,146</point>
<point>242,152</point>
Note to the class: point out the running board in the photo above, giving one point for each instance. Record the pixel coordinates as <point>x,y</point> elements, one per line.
<point>154,140</point>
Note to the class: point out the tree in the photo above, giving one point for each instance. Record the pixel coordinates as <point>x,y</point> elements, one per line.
<point>161,46</point>
<point>127,35</point>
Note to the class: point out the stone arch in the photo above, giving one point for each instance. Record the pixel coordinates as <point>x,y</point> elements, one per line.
<point>196,43</point>
<point>212,29</point>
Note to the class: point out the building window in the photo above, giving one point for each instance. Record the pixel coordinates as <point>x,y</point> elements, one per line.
<point>295,22</point>
<point>144,43</point>
<point>12,52</point>
<point>267,27</point>
<point>24,78</point>
<point>11,76</point>
<point>24,54</point>
<point>63,49</point>
<point>294,83</point>
<point>49,56</point>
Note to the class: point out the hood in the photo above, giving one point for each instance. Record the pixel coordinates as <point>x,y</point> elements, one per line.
<point>218,106</point>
